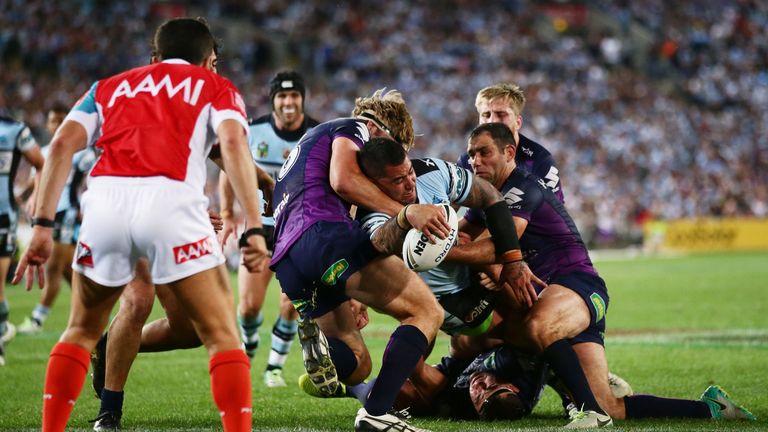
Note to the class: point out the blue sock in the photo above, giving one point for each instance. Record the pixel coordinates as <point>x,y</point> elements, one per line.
<point>405,348</point>
<point>647,406</point>
<point>283,334</point>
<point>564,361</point>
<point>249,330</point>
<point>111,401</point>
<point>3,316</point>
<point>40,313</point>
<point>343,358</point>
<point>361,391</point>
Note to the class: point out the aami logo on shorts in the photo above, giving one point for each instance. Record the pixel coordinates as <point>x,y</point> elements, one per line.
<point>84,255</point>
<point>192,251</point>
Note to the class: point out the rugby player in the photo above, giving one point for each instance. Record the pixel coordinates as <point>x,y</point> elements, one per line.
<point>154,139</point>
<point>272,137</point>
<point>16,142</point>
<point>322,258</point>
<point>567,321</point>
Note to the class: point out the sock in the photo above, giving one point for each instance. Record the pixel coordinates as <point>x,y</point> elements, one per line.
<point>3,316</point>
<point>231,388</point>
<point>283,333</point>
<point>111,401</point>
<point>564,361</point>
<point>343,358</point>
<point>40,313</point>
<point>361,391</point>
<point>64,378</point>
<point>647,406</point>
<point>249,330</point>
<point>404,350</point>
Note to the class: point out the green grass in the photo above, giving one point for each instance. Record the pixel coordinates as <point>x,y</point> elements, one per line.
<point>675,326</point>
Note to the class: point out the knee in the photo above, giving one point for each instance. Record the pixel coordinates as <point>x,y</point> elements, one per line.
<point>136,308</point>
<point>540,331</point>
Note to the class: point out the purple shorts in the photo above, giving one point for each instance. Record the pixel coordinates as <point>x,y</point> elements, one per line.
<point>314,272</point>
<point>591,288</point>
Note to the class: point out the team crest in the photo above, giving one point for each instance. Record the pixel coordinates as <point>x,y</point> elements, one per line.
<point>84,256</point>
<point>262,149</point>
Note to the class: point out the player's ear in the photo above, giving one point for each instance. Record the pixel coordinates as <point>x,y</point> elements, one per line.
<point>510,150</point>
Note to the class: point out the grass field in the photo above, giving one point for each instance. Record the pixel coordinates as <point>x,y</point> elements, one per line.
<point>675,325</point>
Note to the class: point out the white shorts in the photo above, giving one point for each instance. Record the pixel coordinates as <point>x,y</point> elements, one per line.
<point>127,218</point>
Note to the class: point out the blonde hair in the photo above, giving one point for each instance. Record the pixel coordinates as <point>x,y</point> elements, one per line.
<point>389,113</point>
<point>512,93</point>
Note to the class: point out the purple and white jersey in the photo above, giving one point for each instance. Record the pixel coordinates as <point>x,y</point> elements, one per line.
<point>551,243</point>
<point>534,158</point>
<point>303,193</point>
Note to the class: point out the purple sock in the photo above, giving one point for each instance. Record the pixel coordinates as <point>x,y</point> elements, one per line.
<point>564,361</point>
<point>343,358</point>
<point>404,350</point>
<point>647,406</point>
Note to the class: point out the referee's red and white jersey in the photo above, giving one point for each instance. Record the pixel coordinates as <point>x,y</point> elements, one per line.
<point>158,120</point>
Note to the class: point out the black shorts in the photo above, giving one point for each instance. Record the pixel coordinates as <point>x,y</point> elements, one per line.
<point>7,234</point>
<point>469,311</point>
<point>591,288</point>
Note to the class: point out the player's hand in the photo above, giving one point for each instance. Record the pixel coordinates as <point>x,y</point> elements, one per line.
<point>216,220</point>
<point>517,276</point>
<point>463,239</point>
<point>487,282</point>
<point>429,219</point>
<point>360,312</point>
<point>37,253</point>
<point>255,255</point>
<point>228,228</point>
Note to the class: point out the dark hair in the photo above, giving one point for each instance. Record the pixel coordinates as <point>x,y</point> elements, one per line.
<point>188,39</point>
<point>378,153</point>
<point>502,405</point>
<point>59,107</point>
<point>500,134</point>
<point>286,80</point>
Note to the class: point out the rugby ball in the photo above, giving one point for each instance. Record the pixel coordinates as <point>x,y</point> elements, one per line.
<point>421,255</point>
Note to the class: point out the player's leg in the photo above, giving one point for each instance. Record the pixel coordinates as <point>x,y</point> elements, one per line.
<point>385,285</point>
<point>252,290</point>
<point>174,331</point>
<point>68,363</point>
<point>7,330</point>
<point>116,356</point>
<point>207,300</point>
<point>559,315</point>
<point>283,333</point>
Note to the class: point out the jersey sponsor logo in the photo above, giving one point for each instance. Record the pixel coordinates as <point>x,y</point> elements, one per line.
<point>84,256</point>
<point>281,205</point>
<point>514,196</point>
<point>552,178</point>
<point>293,156</point>
<point>599,305</point>
<point>194,250</point>
<point>331,276</point>
<point>190,95</point>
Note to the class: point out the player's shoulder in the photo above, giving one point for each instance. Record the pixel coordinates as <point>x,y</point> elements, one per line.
<point>422,166</point>
<point>261,120</point>
<point>532,149</point>
<point>9,120</point>
<point>310,122</point>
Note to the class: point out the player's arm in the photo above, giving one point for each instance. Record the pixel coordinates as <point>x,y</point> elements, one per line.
<point>239,167</point>
<point>349,182</point>
<point>388,238</point>
<point>69,138</point>
<point>226,208</point>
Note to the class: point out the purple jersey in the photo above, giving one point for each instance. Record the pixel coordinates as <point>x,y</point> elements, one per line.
<point>534,158</point>
<point>551,244</point>
<point>303,192</point>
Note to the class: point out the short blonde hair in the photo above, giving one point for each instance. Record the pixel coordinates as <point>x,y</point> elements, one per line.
<point>389,112</point>
<point>512,93</point>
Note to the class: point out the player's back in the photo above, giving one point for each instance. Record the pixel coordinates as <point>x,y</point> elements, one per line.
<point>14,138</point>
<point>157,120</point>
<point>303,193</point>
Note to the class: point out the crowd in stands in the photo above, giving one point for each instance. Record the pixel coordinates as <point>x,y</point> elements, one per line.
<point>674,127</point>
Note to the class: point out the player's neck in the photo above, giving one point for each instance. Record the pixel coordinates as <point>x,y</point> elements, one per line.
<point>288,127</point>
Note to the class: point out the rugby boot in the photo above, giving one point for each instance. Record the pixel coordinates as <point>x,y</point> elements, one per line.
<point>317,357</point>
<point>723,407</point>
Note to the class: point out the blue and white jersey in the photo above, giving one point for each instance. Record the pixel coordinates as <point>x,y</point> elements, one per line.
<point>15,138</point>
<point>270,147</point>
<point>82,162</point>
<point>437,182</point>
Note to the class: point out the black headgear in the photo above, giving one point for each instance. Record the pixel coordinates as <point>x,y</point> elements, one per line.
<point>286,80</point>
